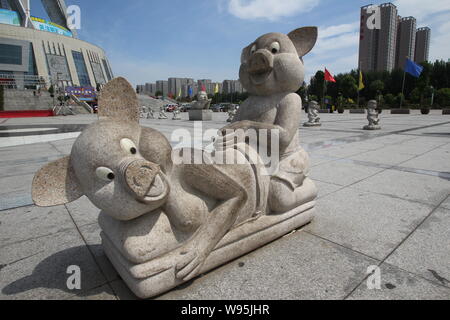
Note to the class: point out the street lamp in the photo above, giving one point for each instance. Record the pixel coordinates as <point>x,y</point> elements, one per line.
<point>432,96</point>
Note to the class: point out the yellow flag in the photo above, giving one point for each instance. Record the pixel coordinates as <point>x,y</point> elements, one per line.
<point>216,89</point>
<point>361,83</point>
<point>179,93</point>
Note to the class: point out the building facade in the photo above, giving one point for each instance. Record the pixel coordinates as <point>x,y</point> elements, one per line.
<point>423,37</point>
<point>35,51</point>
<point>406,41</point>
<point>384,45</point>
<point>377,44</point>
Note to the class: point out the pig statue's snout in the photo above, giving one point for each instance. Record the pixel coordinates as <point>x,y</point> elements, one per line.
<point>139,175</point>
<point>260,62</point>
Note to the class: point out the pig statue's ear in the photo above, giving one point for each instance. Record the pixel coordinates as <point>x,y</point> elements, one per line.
<point>55,184</point>
<point>303,39</point>
<point>118,101</point>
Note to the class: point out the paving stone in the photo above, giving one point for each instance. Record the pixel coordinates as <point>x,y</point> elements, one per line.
<point>32,222</point>
<point>83,211</point>
<point>342,173</point>
<point>407,185</point>
<point>436,160</point>
<point>41,271</point>
<point>381,156</point>
<point>103,293</point>
<point>298,266</point>
<point>426,252</point>
<point>397,284</point>
<point>368,223</point>
<point>91,234</point>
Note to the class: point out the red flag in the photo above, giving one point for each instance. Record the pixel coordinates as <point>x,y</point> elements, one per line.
<point>203,88</point>
<point>328,76</point>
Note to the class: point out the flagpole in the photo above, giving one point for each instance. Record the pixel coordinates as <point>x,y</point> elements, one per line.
<point>359,82</point>
<point>324,89</point>
<point>403,84</point>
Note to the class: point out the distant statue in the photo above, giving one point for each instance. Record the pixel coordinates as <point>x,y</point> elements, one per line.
<point>150,114</point>
<point>143,112</point>
<point>162,113</point>
<point>231,114</point>
<point>313,115</point>
<point>202,103</point>
<point>176,114</point>
<point>372,116</point>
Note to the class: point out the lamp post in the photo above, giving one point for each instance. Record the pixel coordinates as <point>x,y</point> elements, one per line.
<point>432,96</point>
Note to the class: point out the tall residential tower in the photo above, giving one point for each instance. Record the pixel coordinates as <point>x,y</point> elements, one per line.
<point>386,39</point>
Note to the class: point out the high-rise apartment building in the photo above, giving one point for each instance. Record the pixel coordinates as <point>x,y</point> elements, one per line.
<point>377,44</point>
<point>423,36</point>
<point>162,86</point>
<point>386,39</point>
<point>406,41</point>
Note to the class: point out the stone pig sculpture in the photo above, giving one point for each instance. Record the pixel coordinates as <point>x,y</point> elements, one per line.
<point>127,171</point>
<point>272,71</point>
<point>164,222</point>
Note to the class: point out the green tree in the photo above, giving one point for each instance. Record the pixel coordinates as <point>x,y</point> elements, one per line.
<point>349,87</point>
<point>376,88</point>
<point>443,97</point>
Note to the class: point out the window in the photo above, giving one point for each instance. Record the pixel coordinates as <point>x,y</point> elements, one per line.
<point>83,75</point>
<point>108,74</point>
<point>10,54</point>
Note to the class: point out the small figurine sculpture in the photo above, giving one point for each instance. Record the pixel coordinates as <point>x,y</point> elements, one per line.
<point>150,114</point>
<point>166,221</point>
<point>231,114</point>
<point>200,109</point>
<point>202,103</point>
<point>372,116</point>
<point>176,114</point>
<point>162,113</point>
<point>143,112</point>
<point>313,115</point>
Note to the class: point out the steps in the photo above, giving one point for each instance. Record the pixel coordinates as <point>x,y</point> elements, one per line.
<point>18,100</point>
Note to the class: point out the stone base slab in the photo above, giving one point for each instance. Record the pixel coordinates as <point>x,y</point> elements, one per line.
<point>372,128</point>
<point>239,241</point>
<point>400,111</point>
<point>312,124</point>
<point>358,111</point>
<point>200,115</point>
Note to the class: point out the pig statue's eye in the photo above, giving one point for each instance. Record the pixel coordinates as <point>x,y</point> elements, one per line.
<point>128,146</point>
<point>275,47</point>
<point>105,174</point>
<point>253,49</point>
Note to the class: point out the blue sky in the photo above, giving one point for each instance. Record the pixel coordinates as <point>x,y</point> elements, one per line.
<point>148,40</point>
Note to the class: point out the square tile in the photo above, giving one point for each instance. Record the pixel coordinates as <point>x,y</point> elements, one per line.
<point>406,185</point>
<point>427,251</point>
<point>397,284</point>
<point>365,222</point>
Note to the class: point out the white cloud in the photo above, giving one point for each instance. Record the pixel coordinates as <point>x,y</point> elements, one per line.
<point>269,9</point>
<point>337,30</point>
<point>421,9</point>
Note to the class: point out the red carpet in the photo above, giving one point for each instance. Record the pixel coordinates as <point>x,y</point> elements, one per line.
<point>26,114</point>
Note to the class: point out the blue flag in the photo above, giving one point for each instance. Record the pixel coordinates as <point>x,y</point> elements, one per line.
<point>190,91</point>
<point>413,68</point>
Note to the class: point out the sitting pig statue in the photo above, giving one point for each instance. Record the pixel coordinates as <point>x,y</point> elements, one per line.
<point>272,71</point>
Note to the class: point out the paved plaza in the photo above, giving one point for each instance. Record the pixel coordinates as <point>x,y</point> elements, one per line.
<point>383,201</point>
